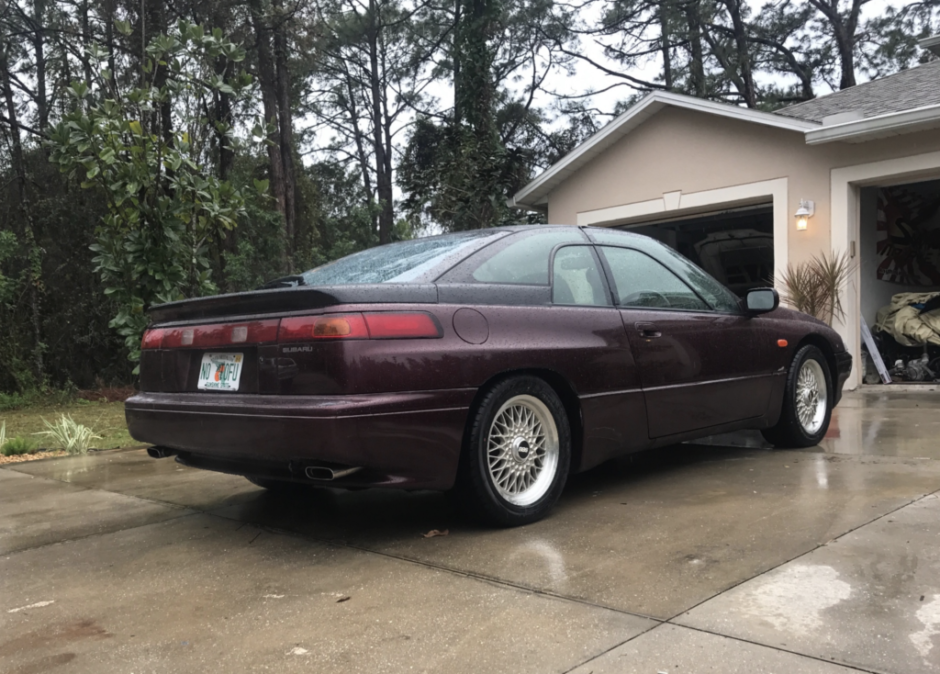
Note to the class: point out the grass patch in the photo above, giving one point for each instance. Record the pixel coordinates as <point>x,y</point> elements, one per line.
<point>106,419</point>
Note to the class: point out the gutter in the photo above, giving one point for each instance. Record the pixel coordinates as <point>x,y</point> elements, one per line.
<point>882,126</point>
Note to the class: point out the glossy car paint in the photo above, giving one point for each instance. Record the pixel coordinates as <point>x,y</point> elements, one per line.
<point>630,378</point>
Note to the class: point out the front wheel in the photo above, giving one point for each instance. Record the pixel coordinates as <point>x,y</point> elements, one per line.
<point>516,454</point>
<point>807,402</point>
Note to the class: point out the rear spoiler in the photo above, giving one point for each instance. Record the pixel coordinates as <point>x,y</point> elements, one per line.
<point>285,300</point>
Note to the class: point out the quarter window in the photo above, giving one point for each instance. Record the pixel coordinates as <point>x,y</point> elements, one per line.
<point>576,278</point>
<point>641,281</point>
<point>523,260</point>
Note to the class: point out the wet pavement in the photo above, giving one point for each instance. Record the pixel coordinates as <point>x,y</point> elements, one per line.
<point>718,557</point>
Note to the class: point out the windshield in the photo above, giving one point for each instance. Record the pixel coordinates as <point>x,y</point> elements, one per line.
<point>403,262</point>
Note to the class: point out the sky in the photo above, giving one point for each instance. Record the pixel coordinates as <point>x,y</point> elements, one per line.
<point>587,78</point>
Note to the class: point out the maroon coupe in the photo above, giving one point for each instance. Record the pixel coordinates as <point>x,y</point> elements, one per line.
<point>492,363</point>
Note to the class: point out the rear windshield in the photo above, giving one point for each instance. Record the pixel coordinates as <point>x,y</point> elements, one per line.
<point>404,262</point>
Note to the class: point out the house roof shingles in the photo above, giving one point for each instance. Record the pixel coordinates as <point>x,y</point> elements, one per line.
<point>912,88</point>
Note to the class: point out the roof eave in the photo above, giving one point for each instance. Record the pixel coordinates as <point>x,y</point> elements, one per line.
<point>536,192</point>
<point>873,128</point>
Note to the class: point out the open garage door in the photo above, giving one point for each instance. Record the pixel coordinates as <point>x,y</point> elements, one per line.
<point>899,273</point>
<point>735,246</point>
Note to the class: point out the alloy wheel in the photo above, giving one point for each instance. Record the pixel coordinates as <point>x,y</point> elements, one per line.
<point>811,397</point>
<point>522,450</point>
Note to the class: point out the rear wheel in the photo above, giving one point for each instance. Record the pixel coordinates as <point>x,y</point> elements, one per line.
<point>807,402</point>
<point>516,453</point>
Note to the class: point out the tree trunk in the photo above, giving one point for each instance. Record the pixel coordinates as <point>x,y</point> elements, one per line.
<point>157,22</point>
<point>33,252</point>
<point>843,31</point>
<point>266,80</point>
<point>359,138</point>
<point>109,42</point>
<point>39,52</point>
<point>743,54</point>
<point>665,45</point>
<point>223,113</point>
<point>696,53</point>
<point>455,58</point>
<point>86,42</point>
<point>846,58</point>
<point>383,175</point>
<point>286,136</point>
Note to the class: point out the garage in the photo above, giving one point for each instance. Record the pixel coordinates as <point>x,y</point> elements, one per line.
<point>899,282</point>
<point>736,246</point>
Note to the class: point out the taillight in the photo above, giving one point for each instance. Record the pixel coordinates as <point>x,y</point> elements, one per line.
<point>219,334</point>
<point>379,325</point>
<point>348,326</point>
<point>401,326</point>
<point>153,339</point>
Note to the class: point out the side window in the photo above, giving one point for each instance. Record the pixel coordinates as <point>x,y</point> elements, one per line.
<point>711,290</point>
<point>520,259</point>
<point>576,278</point>
<point>641,281</point>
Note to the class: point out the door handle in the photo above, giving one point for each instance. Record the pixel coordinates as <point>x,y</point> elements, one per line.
<point>648,330</point>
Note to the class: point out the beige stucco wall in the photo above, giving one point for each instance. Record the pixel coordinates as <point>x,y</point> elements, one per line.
<point>693,152</point>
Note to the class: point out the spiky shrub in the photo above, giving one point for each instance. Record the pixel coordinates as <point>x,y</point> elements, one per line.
<point>69,435</point>
<point>815,286</point>
<point>17,446</point>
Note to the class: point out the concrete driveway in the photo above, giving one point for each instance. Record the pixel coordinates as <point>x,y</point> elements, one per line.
<point>692,559</point>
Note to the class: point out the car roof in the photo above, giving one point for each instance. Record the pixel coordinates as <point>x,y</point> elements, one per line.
<point>583,228</point>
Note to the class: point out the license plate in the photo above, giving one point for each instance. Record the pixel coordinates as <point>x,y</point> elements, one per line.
<point>220,371</point>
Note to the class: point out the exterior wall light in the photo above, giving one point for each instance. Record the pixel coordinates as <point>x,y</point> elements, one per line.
<point>804,213</point>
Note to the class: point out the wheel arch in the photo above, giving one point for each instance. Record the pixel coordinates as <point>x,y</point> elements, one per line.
<point>823,345</point>
<point>565,391</point>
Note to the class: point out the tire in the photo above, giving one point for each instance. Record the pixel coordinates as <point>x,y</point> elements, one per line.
<point>807,402</point>
<point>516,454</point>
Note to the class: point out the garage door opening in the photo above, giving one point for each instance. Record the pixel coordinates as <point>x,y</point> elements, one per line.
<point>899,270</point>
<point>735,246</point>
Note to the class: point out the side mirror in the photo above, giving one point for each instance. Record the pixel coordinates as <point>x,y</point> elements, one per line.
<point>761,300</point>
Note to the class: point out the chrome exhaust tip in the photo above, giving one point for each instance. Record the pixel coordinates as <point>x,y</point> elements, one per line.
<point>324,473</point>
<point>160,452</point>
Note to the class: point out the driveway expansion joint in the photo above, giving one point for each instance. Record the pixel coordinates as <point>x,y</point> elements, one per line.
<point>73,539</point>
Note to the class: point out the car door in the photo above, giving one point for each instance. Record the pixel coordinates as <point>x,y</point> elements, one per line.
<point>699,364</point>
<point>573,329</point>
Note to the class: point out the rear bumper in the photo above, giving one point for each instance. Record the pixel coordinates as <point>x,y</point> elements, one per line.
<point>843,369</point>
<point>407,440</point>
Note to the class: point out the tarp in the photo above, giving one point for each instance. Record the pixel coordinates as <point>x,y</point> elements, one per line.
<point>907,323</point>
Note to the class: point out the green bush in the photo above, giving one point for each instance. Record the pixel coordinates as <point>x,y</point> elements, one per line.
<point>17,446</point>
<point>36,396</point>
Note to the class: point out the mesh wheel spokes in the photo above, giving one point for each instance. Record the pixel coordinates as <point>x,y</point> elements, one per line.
<point>522,450</point>
<point>811,396</point>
